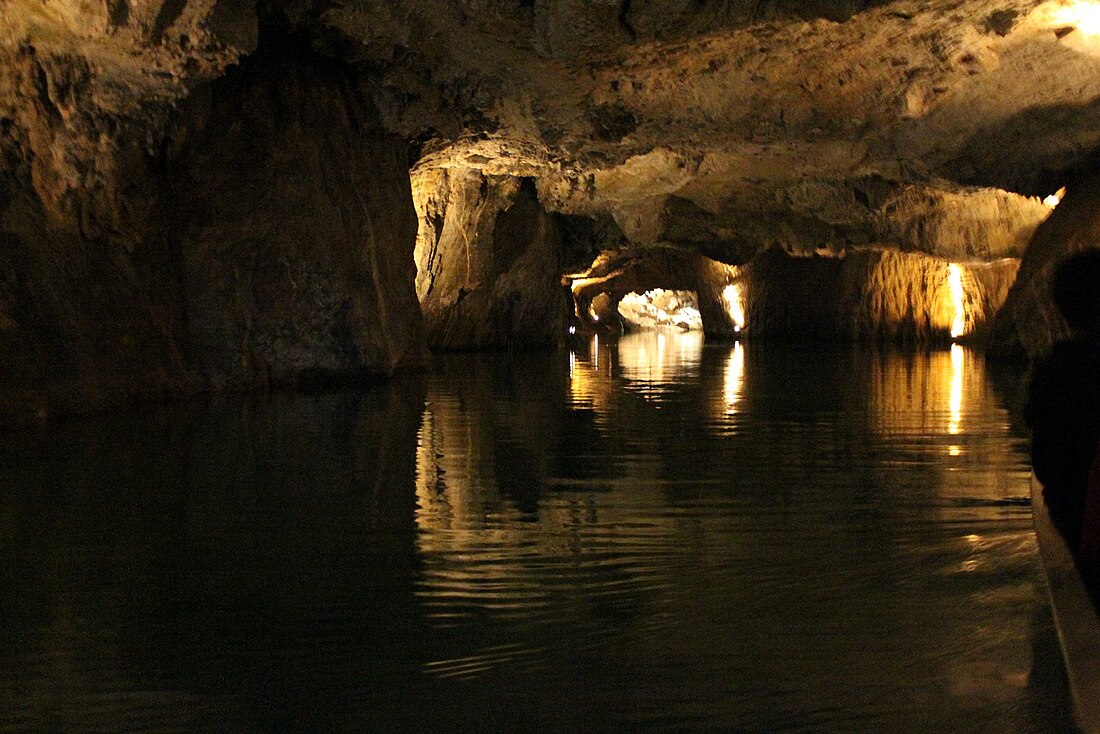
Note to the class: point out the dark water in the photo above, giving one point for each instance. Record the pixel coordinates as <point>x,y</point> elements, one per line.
<point>648,535</point>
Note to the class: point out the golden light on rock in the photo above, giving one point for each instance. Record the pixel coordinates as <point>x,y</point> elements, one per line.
<point>735,305</point>
<point>955,284</point>
<point>661,308</point>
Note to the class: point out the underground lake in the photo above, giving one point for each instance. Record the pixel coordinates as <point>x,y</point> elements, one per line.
<point>644,533</point>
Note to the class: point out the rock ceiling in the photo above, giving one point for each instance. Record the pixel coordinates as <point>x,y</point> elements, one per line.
<point>725,126</point>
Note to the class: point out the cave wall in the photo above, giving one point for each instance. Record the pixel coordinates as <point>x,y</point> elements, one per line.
<point>819,214</point>
<point>1029,323</point>
<point>488,262</point>
<point>869,295</point>
<point>291,213</point>
<point>219,242</point>
<point>89,307</point>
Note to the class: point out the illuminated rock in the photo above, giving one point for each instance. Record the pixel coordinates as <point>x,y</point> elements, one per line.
<point>489,262</point>
<point>660,308</point>
<point>1029,322</point>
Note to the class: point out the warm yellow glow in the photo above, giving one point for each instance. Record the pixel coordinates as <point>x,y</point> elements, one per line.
<point>592,313</point>
<point>958,364</point>
<point>580,285</point>
<point>1084,16</point>
<point>955,283</point>
<point>653,361</point>
<point>735,378</point>
<point>735,305</point>
<point>1054,199</point>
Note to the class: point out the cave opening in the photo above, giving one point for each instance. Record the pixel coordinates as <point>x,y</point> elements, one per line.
<point>660,308</point>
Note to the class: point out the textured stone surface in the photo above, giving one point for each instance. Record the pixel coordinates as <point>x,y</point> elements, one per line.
<point>489,262</point>
<point>242,245</point>
<point>1029,322</point>
<point>865,295</point>
<point>895,123</point>
<point>291,213</point>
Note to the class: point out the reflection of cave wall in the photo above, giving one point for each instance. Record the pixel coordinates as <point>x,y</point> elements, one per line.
<point>270,237</point>
<point>488,262</point>
<point>132,522</point>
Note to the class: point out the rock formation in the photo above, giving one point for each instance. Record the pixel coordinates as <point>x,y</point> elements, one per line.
<point>1029,322</point>
<point>204,193</point>
<point>488,261</point>
<point>259,229</point>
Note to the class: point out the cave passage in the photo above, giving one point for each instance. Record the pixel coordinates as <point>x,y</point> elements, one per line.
<point>543,365</point>
<point>659,308</point>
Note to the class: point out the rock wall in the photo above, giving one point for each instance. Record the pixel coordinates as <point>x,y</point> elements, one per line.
<point>227,242</point>
<point>869,295</point>
<point>488,262</point>
<point>291,214</point>
<point>810,215</point>
<point>1029,322</point>
<point>89,308</point>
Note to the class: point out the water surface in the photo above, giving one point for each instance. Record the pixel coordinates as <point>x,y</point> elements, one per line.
<point>649,534</point>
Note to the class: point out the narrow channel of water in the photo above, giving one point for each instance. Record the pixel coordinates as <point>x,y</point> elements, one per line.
<point>647,534</point>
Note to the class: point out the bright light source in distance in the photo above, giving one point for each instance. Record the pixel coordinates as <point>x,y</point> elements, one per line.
<point>732,294</point>
<point>955,283</point>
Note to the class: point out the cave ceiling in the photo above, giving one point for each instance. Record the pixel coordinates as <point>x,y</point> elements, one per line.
<point>718,125</point>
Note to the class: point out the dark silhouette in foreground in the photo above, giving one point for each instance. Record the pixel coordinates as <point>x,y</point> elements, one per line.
<point>1063,411</point>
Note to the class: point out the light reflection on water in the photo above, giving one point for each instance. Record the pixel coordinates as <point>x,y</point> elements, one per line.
<point>754,538</point>
<point>649,533</point>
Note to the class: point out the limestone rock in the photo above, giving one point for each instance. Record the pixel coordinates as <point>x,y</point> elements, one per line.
<point>1029,322</point>
<point>292,216</point>
<point>489,262</point>
<point>865,295</point>
<point>245,247</point>
<point>216,193</point>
